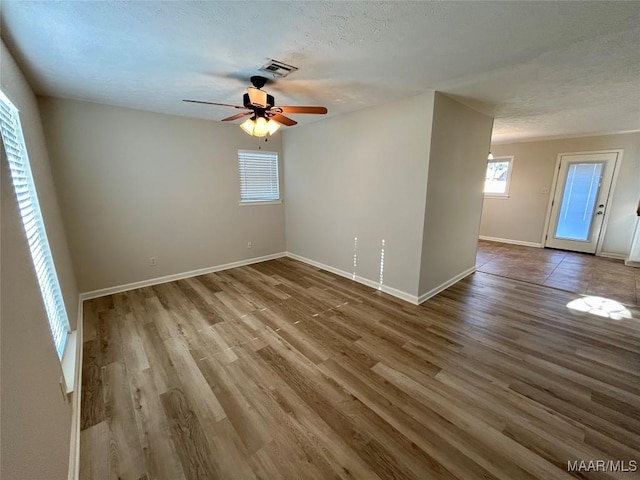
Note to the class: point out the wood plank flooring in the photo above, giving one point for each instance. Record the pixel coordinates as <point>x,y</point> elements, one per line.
<point>282,371</point>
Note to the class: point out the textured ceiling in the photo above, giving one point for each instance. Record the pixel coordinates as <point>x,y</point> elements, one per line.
<point>540,68</point>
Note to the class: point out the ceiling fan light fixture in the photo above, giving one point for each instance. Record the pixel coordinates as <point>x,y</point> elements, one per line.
<point>265,118</point>
<point>272,126</point>
<point>248,126</point>
<point>261,128</point>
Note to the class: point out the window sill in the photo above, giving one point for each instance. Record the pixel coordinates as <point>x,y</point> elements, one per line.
<point>496,195</point>
<point>69,358</point>
<point>272,202</point>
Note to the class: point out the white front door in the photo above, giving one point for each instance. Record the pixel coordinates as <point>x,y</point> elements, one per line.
<point>580,201</point>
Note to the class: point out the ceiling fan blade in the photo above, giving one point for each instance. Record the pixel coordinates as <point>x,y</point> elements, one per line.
<point>237,116</point>
<point>218,104</point>
<point>301,109</point>
<point>282,119</point>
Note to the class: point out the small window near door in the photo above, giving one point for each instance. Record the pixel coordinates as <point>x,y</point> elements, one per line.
<point>496,183</point>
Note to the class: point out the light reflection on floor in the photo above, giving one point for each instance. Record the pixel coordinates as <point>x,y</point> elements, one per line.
<point>600,306</point>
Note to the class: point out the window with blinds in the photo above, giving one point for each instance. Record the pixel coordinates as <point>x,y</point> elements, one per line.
<point>258,172</point>
<point>25,190</point>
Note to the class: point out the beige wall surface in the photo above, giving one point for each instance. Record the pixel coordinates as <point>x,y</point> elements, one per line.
<point>135,185</point>
<point>361,175</point>
<point>36,420</point>
<point>459,144</point>
<point>522,216</point>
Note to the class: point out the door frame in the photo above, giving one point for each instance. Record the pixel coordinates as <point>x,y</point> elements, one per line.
<point>603,231</point>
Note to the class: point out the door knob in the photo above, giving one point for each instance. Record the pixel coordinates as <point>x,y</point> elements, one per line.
<point>601,205</point>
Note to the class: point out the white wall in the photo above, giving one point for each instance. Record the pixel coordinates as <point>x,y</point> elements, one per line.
<point>135,185</point>
<point>458,157</point>
<point>35,418</point>
<point>521,216</point>
<point>409,172</point>
<point>361,175</point>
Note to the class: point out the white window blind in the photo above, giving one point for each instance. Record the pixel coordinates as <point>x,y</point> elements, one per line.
<point>24,186</point>
<point>258,176</point>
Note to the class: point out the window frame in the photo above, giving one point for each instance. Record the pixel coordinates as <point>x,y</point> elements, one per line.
<point>500,159</point>
<point>24,188</point>
<point>267,201</point>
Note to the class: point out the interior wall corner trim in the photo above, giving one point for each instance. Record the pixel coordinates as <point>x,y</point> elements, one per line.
<point>443,286</point>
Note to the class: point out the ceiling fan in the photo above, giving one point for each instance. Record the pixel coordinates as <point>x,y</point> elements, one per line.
<point>266,117</point>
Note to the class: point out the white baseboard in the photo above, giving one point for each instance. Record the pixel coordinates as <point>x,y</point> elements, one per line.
<point>617,256</point>
<point>631,263</point>
<point>74,443</point>
<point>513,242</point>
<point>177,276</point>
<point>407,297</point>
<point>434,291</point>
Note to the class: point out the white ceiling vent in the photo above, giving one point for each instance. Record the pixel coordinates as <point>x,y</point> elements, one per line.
<point>277,68</point>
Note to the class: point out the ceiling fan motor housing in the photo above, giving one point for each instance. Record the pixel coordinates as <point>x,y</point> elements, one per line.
<point>260,100</point>
<point>258,81</point>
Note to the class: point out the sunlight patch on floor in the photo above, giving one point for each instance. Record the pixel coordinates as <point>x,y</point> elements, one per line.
<point>600,306</point>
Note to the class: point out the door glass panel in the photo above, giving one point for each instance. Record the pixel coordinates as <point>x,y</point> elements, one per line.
<point>578,201</point>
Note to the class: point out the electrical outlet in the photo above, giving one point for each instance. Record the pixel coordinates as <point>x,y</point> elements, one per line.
<point>152,261</point>
<point>544,190</point>
<point>249,245</point>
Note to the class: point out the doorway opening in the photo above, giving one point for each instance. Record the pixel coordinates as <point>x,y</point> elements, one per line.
<point>574,229</point>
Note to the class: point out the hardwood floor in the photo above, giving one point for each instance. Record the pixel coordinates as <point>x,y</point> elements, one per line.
<point>281,371</point>
<point>571,271</point>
